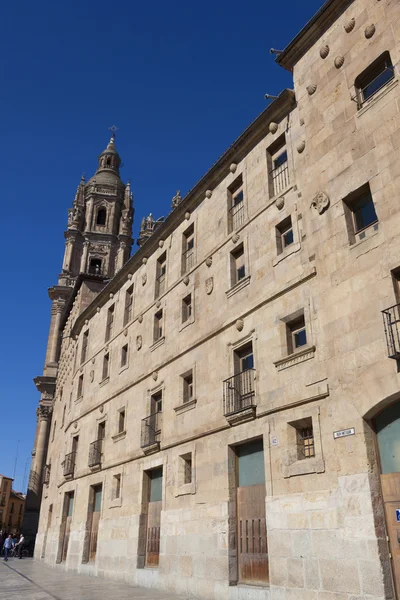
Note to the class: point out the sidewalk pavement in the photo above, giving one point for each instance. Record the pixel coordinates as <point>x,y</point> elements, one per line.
<point>28,579</point>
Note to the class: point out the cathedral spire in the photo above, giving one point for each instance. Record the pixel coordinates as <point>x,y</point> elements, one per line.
<point>109,159</point>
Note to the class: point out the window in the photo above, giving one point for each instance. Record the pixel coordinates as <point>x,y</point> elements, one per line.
<point>54,431</point>
<point>12,508</point>
<point>296,334</point>
<point>161,274</point>
<point>110,322</point>
<point>360,213</point>
<point>188,250</point>
<point>238,268</point>
<point>158,326</point>
<point>277,160</point>
<point>235,204</point>
<point>187,308</point>
<point>284,234</point>
<point>244,358</point>
<point>304,438</point>
<point>374,78</point>
<point>106,365</point>
<point>156,402</point>
<point>101,216</point>
<point>116,492</point>
<point>84,345</point>
<point>188,387</point>
<point>10,520</point>
<point>128,305</point>
<point>63,416</point>
<point>95,266</point>
<point>121,420</point>
<point>80,386</point>
<point>124,355</point>
<point>187,467</point>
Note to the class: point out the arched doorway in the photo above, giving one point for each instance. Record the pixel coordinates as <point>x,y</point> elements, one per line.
<point>387,427</point>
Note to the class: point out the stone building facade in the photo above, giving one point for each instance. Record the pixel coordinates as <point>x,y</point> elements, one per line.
<point>15,512</point>
<point>5,493</point>
<point>226,408</point>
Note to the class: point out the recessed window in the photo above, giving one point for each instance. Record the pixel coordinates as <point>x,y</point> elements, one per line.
<point>238,266</point>
<point>284,235</point>
<point>304,438</point>
<point>110,322</point>
<point>187,308</point>
<point>80,386</point>
<point>235,204</point>
<point>156,403</point>
<point>95,266</point>
<point>374,78</point>
<point>277,161</point>
<point>124,355</point>
<point>101,217</point>
<point>158,326</point>
<point>116,490</point>
<point>188,250</point>
<point>296,334</point>
<point>121,420</point>
<point>188,387</point>
<point>128,305</point>
<point>161,275</point>
<point>106,365</point>
<point>85,340</point>
<point>187,468</point>
<point>360,213</point>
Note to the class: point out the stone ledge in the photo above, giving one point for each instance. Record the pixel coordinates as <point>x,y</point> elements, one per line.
<point>247,414</point>
<point>292,249</point>
<point>151,448</point>
<point>181,408</point>
<point>104,381</point>
<point>295,358</point>
<point>157,344</point>
<point>238,286</point>
<point>377,96</point>
<point>306,466</point>
<point>118,436</point>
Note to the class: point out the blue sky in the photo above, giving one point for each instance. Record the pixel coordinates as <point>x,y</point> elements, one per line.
<point>181,80</point>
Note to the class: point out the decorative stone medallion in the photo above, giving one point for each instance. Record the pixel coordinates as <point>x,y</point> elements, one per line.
<point>101,409</point>
<point>144,278</point>
<point>125,331</point>
<point>155,375</point>
<point>324,51</point>
<point>311,89</point>
<point>235,238</point>
<point>239,324</point>
<point>91,376</point>
<point>75,425</point>
<point>300,146</point>
<point>208,194</point>
<point>138,342</point>
<point>209,285</point>
<point>187,216</point>
<point>186,280</point>
<point>140,318</point>
<point>339,61</point>
<point>369,31</point>
<point>349,25</point>
<point>111,296</point>
<point>233,168</point>
<point>273,127</point>
<point>144,260</point>
<point>280,202</point>
<point>209,261</point>
<point>320,202</point>
<point>161,243</point>
<point>158,303</point>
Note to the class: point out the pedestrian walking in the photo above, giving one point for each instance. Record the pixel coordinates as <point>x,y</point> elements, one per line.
<point>7,547</point>
<point>20,545</point>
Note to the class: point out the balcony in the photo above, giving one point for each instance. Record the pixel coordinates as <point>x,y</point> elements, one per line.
<point>391,322</point>
<point>46,475</point>
<point>95,450</point>
<point>280,178</point>
<point>69,464</point>
<point>239,397</point>
<point>151,430</point>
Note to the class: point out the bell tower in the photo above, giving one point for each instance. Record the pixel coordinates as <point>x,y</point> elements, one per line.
<point>98,242</point>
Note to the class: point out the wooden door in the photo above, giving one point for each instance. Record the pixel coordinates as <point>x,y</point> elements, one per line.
<point>94,527</point>
<point>154,518</point>
<point>251,519</point>
<point>67,527</point>
<point>391,498</point>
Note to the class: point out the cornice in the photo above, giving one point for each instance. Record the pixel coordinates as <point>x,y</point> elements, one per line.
<point>255,132</point>
<point>312,32</point>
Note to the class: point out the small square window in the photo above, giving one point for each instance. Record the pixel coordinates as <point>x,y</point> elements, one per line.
<point>296,334</point>
<point>187,468</point>
<point>304,438</point>
<point>188,387</point>
<point>106,365</point>
<point>116,490</point>
<point>374,78</point>
<point>284,235</point>
<point>121,420</point>
<point>238,266</point>
<point>124,355</point>
<point>360,213</point>
<point>187,308</point>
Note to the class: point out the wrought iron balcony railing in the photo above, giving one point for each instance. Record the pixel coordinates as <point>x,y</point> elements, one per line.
<point>69,464</point>
<point>95,449</point>
<point>391,324</point>
<point>151,429</point>
<point>46,475</point>
<point>280,178</point>
<point>239,392</point>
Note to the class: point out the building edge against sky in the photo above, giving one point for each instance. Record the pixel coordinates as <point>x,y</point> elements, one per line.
<point>220,414</point>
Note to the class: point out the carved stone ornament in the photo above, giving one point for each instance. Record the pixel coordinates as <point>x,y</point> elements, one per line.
<point>273,127</point>
<point>324,51</point>
<point>233,168</point>
<point>98,309</point>
<point>300,146</point>
<point>209,261</point>
<point>280,202</point>
<point>86,322</point>
<point>138,342</point>
<point>155,375</point>
<point>101,409</point>
<point>91,376</point>
<point>349,25</point>
<point>75,425</point>
<point>161,243</point>
<point>125,331</point>
<point>144,260</point>
<point>339,61</point>
<point>177,199</point>
<point>45,413</point>
<point>239,324</point>
<point>235,238</point>
<point>320,202</point>
<point>209,285</point>
<point>111,296</point>
<point>140,318</point>
<point>208,194</point>
<point>144,278</point>
<point>130,276</point>
<point>311,89</point>
<point>187,216</point>
<point>158,303</point>
<point>369,31</point>
<point>186,280</point>
<point>93,361</point>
